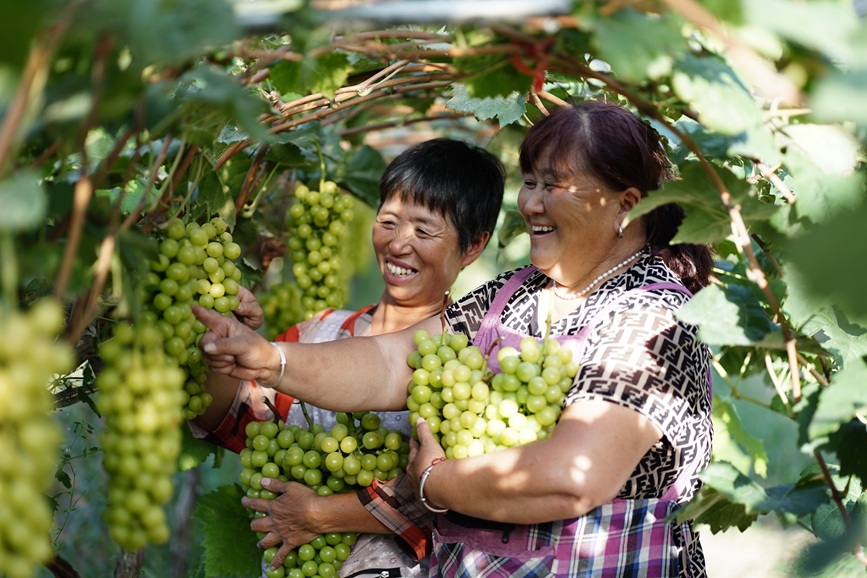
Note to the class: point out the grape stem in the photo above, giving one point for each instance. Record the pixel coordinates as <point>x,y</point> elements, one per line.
<point>321,165</point>
<point>273,408</point>
<point>9,266</point>
<point>487,355</point>
<point>306,415</point>
<point>443,317</point>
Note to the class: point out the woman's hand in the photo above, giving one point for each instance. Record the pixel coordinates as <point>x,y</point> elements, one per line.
<point>290,519</point>
<point>249,312</point>
<point>232,348</point>
<point>422,453</point>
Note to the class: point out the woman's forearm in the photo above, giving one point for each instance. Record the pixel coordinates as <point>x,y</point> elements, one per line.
<point>345,375</point>
<point>586,461</point>
<point>363,373</point>
<point>344,513</point>
<point>223,390</point>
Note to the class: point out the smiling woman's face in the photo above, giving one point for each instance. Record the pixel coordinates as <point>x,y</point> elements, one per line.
<point>571,221</point>
<point>418,253</point>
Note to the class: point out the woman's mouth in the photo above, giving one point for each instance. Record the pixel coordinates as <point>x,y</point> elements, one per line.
<point>399,271</point>
<point>540,229</point>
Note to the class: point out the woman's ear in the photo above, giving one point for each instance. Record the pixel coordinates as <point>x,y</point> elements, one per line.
<point>629,198</point>
<point>475,249</point>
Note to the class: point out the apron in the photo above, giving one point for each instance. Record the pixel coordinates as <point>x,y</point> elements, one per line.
<point>626,537</point>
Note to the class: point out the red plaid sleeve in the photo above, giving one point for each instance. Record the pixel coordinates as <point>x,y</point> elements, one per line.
<point>394,504</point>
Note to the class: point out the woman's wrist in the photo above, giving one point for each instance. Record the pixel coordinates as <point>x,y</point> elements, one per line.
<point>424,488</point>
<point>276,375</point>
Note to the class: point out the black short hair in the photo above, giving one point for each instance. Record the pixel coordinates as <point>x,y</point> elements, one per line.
<point>461,182</point>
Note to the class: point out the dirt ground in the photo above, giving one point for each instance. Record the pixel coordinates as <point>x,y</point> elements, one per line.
<point>761,552</point>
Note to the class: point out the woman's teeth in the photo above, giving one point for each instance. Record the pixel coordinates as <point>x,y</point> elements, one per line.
<point>538,229</point>
<point>399,271</point>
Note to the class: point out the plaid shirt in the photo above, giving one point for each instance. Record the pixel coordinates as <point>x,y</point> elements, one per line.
<point>394,504</point>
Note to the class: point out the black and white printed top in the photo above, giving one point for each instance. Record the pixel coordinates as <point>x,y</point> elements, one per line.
<point>638,356</point>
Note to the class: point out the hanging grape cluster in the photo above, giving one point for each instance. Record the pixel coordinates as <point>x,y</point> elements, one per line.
<point>472,411</point>
<point>282,307</point>
<point>29,357</point>
<point>140,394</point>
<point>195,265</point>
<point>354,452</point>
<point>319,221</point>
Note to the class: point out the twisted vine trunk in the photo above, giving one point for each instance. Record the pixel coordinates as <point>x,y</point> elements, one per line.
<point>183,514</point>
<point>129,564</point>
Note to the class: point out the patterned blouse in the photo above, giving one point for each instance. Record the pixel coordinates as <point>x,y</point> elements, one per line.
<point>638,356</point>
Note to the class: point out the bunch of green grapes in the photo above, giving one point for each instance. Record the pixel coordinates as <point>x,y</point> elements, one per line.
<point>282,307</point>
<point>29,357</point>
<point>195,265</point>
<point>319,221</point>
<point>354,452</point>
<point>472,411</point>
<point>140,399</point>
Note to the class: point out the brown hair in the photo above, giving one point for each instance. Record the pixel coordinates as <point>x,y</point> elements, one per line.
<point>620,150</point>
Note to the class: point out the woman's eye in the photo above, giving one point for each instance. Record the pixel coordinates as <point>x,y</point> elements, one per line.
<point>422,232</point>
<point>529,184</point>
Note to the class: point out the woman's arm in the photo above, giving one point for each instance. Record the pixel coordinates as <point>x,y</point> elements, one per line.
<point>589,457</point>
<point>343,375</point>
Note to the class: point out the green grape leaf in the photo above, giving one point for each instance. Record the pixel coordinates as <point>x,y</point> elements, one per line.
<point>216,198</point>
<point>638,45</point>
<point>821,194</point>
<point>23,200</point>
<point>839,96</point>
<point>849,443</point>
<point>231,135</point>
<point>305,138</point>
<point>839,403</point>
<point>492,75</point>
<point>324,74</point>
<point>826,26</point>
<point>731,11</point>
<point>736,487</point>
<point>832,263</point>
<point>193,451</point>
<point>827,522</point>
<point>363,172</point>
<point>733,444</point>
<point>229,543</point>
<point>208,87</point>
<point>727,316</point>
<point>829,147</point>
<point>506,109</point>
<point>712,144</point>
<point>62,477</point>
<point>707,220</point>
<point>713,509</point>
<point>724,104</point>
<point>19,21</point>
<point>172,32</point>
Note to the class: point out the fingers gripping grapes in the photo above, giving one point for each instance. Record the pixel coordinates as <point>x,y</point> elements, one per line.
<point>232,348</point>
<point>249,311</point>
<point>290,517</point>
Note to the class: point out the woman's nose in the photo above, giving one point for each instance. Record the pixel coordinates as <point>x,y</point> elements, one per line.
<point>530,201</point>
<point>401,242</point>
